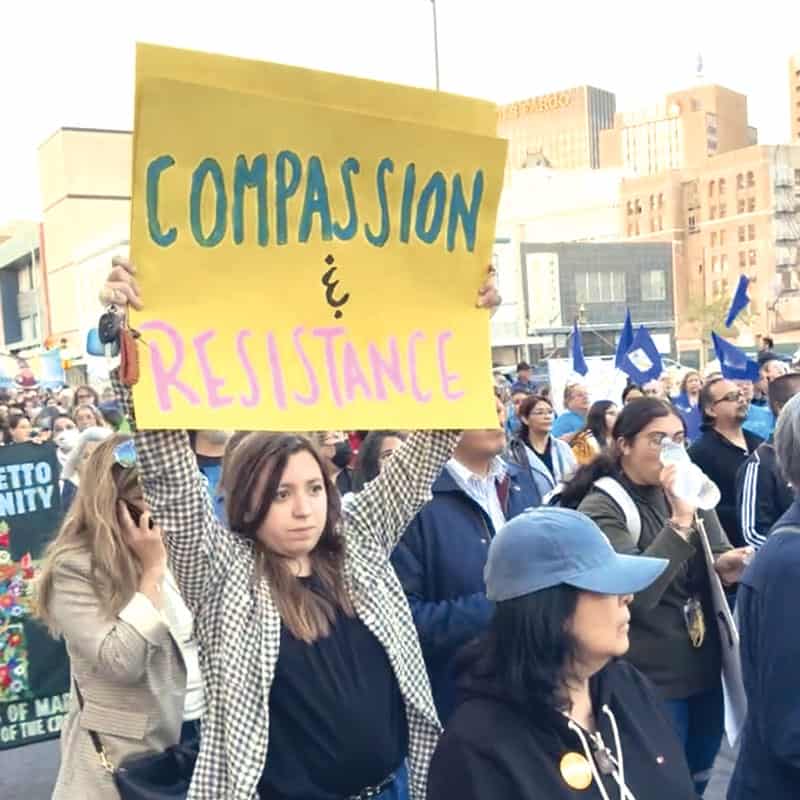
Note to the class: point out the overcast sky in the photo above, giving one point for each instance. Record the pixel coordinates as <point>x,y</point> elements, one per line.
<point>71,63</point>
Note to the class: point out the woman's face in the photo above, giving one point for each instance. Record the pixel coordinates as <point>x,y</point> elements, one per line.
<point>633,394</point>
<point>295,521</point>
<point>600,627</point>
<point>540,419</point>
<point>693,383</point>
<point>84,396</point>
<point>641,457</point>
<point>22,432</point>
<point>612,412</point>
<point>84,418</point>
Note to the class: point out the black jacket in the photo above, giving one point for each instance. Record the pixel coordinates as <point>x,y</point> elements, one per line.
<point>762,494</point>
<point>720,459</point>
<point>496,749</point>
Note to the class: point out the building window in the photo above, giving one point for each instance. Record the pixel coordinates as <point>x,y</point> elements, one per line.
<point>751,232</point>
<point>630,208</point>
<point>711,186</point>
<point>714,264</point>
<point>723,263</point>
<point>714,288</point>
<point>722,238</point>
<point>712,212</point>
<point>660,222</point>
<point>692,223</point>
<point>713,239</point>
<point>751,204</point>
<point>751,257</point>
<point>740,181</point>
<point>27,278</point>
<point>740,205</point>
<point>751,179</point>
<point>723,209</point>
<point>722,185</point>
<point>30,328</point>
<point>630,230</point>
<point>599,287</point>
<point>654,285</point>
<point>742,258</point>
<point>661,196</point>
<point>652,202</point>
<point>742,232</point>
<point>796,175</point>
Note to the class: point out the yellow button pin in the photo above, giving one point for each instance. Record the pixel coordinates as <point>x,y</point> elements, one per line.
<point>575,771</point>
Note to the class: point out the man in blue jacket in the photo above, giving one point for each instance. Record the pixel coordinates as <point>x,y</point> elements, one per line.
<point>441,556</point>
<point>769,596</point>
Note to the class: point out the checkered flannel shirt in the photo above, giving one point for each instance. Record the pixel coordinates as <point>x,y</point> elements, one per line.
<point>237,624</point>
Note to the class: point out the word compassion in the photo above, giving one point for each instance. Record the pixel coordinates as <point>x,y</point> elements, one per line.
<point>299,193</point>
<point>25,488</point>
<point>339,372</point>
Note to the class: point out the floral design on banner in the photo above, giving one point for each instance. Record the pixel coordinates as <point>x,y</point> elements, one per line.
<point>16,595</point>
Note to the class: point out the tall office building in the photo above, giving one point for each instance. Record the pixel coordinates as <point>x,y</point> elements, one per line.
<point>559,130</point>
<point>683,131</point>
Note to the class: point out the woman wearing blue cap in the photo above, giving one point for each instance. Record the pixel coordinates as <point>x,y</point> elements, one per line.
<point>548,711</point>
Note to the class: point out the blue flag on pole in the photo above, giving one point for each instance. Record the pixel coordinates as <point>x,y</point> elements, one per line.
<point>740,300</point>
<point>578,361</point>
<point>625,340</point>
<point>733,362</point>
<point>642,362</point>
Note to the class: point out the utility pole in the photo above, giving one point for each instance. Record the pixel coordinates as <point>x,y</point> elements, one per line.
<point>435,42</point>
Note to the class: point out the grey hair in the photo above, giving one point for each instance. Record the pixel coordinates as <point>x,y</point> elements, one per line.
<point>787,441</point>
<point>93,434</point>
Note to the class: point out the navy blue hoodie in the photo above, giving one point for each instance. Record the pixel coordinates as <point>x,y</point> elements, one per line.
<point>768,767</point>
<point>440,562</point>
<point>495,748</point>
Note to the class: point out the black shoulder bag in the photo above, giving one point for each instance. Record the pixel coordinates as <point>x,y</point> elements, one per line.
<point>158,776</point>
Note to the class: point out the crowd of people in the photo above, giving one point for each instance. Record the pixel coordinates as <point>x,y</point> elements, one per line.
<point>522,612</point>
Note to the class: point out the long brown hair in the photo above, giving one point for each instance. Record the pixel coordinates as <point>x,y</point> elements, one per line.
<point>307,614</point>
<point>92,526</point>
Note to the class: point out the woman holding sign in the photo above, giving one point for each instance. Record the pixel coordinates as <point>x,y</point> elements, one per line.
<point>315,681</point>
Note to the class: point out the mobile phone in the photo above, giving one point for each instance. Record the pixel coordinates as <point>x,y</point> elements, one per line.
<point>136,514</point>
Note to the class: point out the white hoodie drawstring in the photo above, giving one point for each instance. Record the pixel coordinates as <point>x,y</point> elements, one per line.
<point>587,752</point>
<point>619,772</point>
<point>618,747</point>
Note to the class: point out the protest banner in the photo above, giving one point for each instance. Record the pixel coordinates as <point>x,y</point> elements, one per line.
<point>309,248</point>
<point>34,670</point>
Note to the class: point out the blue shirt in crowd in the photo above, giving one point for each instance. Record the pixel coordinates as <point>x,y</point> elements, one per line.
<point>568,422</point>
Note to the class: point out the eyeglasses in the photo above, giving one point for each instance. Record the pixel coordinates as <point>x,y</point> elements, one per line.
<point>125,454</point>
<point>731,397</point>
<point>656,438</point>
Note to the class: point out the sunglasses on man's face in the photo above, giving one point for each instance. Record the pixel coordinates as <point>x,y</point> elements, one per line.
<point>731,397</point>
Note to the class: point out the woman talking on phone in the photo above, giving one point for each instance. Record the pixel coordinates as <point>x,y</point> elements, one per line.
<point>105,588</point>
<point>315,681</point>
<point>632,497</point>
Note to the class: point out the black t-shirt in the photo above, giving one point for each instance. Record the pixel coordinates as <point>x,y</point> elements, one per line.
<point>337,716</point>
<point>546,457</point>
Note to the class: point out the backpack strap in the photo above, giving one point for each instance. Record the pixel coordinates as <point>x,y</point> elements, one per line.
<point>616,491</point>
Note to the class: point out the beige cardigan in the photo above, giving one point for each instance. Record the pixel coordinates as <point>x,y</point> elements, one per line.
<point>132,677</point>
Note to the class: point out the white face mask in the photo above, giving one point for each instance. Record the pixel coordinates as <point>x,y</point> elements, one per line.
<point>66,440</point>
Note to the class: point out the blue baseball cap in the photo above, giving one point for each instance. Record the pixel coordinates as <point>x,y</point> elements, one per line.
<point>550,546</point>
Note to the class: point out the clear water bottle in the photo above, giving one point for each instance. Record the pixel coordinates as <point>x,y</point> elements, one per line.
<point>691,483</point>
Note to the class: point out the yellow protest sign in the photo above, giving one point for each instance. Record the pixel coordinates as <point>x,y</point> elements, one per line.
<point>309,264</point>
